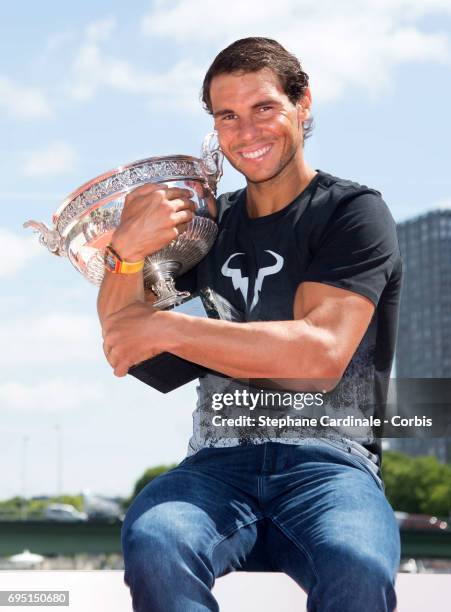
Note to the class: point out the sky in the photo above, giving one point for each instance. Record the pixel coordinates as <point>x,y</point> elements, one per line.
<point>87,86</point>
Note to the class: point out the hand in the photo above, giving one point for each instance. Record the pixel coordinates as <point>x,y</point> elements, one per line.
<point>153,215</point>
<point>205,193</point>
<point>132,335</point>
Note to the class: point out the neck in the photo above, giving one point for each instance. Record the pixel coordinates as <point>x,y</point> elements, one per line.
<point>270,196</point>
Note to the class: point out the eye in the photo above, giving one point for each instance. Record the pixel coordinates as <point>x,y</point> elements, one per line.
<point>228,117</point>
<point>265,108</point>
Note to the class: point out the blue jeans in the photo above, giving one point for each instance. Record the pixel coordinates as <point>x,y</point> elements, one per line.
<point>317,513</point>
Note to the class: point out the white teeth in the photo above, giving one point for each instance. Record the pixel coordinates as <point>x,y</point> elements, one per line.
<point>255,154</point>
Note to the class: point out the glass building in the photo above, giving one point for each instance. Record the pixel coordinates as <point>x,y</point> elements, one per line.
<point>424,336</point>
<point>424,333</point>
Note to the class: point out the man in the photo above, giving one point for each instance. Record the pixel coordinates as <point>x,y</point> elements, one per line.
<point>308,503</point>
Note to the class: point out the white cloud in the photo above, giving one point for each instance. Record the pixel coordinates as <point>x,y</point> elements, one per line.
<point>49,395</point>
<point>54,338</point>
<point>24,102</point>
<point>341,44</point>
<point>101,30</point>
<point>93,70</point>
<point>55,159</point>
<point>31,196</point>
<point>444,204</point>
<point>341,47</point>
<point>20,250</point>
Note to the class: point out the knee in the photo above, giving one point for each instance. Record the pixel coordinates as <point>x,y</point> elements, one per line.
<point>356,580</point>
<point>142,545</point>
<point>162,558</point>
<point>159,539</point>
<point>374,580</point>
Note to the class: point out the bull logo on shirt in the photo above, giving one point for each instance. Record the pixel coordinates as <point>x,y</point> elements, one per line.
<point>242,282</point>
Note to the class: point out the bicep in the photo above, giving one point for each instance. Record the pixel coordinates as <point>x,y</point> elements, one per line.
<point>342,315</point>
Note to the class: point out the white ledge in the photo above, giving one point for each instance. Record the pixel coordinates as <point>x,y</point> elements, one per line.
<point>104,591</point>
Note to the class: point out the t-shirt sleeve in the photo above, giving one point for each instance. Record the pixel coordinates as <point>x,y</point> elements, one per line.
<point>358,249</point>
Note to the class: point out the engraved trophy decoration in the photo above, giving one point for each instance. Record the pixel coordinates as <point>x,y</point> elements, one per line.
<point>84,223</point>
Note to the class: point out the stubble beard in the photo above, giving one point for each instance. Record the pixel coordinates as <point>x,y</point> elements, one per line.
<point>277,173</point>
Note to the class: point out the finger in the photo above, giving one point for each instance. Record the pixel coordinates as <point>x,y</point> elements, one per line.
<point>106,349</point>
<point>121,370</point>
<point>146,189</point>
<point>197,186</point>
<point>183,216</point>
<point>173,193</point>
<point>107,324</point>
<point>180,204</point>
<point>182,227</point>
<point>111,359</point>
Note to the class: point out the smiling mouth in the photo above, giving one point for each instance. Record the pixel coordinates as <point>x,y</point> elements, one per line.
<point>257,154</point>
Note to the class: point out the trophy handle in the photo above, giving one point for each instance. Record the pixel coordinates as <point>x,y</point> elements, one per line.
<point>212,157</point>
<point>49,238</point>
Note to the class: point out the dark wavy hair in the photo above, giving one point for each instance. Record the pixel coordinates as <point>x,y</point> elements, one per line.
<point>253,54</point>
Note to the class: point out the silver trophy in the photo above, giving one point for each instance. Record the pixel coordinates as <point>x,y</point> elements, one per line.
<point>84,223</point>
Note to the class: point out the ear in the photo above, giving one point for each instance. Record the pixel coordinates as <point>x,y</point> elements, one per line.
<point>304,106</point>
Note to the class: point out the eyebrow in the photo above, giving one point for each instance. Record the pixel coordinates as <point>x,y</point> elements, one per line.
<point>227,111</point>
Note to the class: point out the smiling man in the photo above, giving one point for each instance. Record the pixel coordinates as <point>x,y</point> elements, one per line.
<point>311,263</point>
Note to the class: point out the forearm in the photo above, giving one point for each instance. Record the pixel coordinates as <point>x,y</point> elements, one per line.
<point>118,291</point>
<point>152,216</point>
<point>273,349</point>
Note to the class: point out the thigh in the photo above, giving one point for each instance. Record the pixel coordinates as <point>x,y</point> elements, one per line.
<point>188,509</point>
<point>333,517</point>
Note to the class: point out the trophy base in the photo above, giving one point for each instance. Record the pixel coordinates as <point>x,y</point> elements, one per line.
<point>172,300</point>
<point>166,372</point>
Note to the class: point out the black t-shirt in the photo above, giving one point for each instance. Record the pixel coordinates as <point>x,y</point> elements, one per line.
<point>335,232</point>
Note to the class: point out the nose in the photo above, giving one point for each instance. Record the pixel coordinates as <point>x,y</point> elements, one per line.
<point>247,130</point>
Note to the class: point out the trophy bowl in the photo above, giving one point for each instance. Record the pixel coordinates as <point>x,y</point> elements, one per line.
<point>84,223</point>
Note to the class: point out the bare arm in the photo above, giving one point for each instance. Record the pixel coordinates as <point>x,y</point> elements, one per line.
<point>318,345</point>
<point>118,291</point>
<point>153,215</point>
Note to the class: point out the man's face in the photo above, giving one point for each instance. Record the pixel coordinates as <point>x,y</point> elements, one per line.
<point>260,129</point>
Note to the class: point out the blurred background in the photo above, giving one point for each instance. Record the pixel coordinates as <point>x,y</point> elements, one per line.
<point>85,87</point>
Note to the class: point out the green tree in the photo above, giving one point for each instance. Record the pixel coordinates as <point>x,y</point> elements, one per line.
<point>11,507</point>
<point>417,484</point>
<point>34,508</point>
<point>147,477</point>
<point>74,500</point>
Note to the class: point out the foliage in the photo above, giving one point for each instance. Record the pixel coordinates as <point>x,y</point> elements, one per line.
<point>417,484</point>
<point>17,507</point>
<point>147,477</point>
<point>74,500</point>
<point>412,484</point>
<point>11,505</point>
